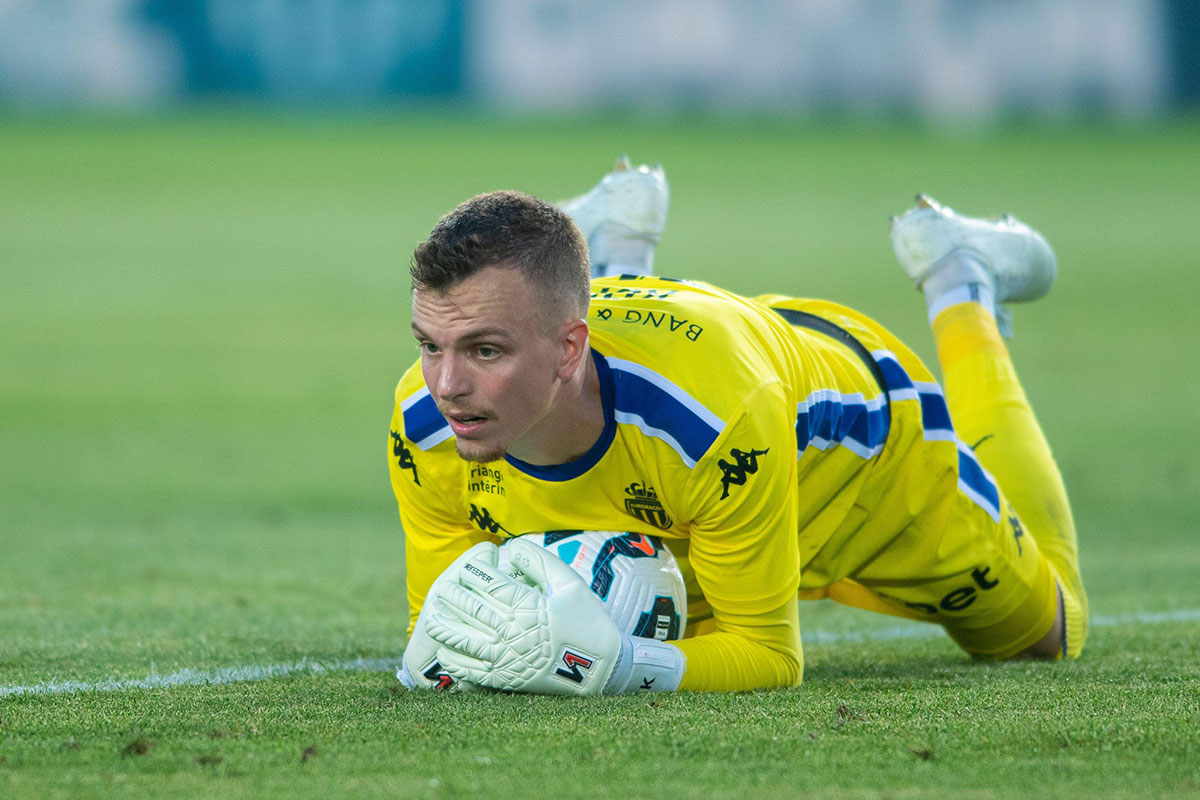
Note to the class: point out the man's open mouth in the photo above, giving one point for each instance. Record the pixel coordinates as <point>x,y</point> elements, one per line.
<point>465,424</point>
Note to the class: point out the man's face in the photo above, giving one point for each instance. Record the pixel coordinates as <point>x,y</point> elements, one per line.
<point>489,359</point>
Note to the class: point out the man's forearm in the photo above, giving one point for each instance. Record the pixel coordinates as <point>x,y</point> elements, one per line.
<point>760,652</point>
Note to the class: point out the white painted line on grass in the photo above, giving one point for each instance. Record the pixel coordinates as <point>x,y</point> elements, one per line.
<point>213,677</point>
<point>1147,618</point>
<point>225,675</point>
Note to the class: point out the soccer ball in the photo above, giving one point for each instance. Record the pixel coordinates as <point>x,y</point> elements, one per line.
<point>635,575</point>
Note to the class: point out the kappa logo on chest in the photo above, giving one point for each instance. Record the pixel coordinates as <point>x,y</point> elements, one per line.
<point>481,518</point>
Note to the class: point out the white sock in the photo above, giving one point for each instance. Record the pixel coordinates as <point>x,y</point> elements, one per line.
<point>960,277</point>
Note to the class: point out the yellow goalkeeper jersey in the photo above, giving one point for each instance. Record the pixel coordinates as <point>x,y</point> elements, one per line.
<point>755,435</point>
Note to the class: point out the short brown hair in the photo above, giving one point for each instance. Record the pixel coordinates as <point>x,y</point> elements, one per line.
<point>507,229</point>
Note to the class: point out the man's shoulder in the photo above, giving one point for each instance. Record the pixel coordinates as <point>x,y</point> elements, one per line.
<point>686,338</point>
<point>416,416</point>
<point>411,382</point>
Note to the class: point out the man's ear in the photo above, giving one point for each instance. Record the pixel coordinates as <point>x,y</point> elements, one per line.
<point>573,337</point>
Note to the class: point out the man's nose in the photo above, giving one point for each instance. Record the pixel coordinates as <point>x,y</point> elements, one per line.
<point>453,380</point>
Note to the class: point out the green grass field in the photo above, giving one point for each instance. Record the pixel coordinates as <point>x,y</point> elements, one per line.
<point>202,320</point>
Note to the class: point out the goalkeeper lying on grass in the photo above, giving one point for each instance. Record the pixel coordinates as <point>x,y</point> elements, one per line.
<point>789,448</point>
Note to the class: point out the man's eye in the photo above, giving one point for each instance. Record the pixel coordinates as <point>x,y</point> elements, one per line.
<point>429,347</point>
<point>487,352</point>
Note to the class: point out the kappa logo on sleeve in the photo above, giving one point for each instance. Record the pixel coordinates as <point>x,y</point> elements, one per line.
<point>1017,528</point>
<point>404,457</point>
<point>744,464</point>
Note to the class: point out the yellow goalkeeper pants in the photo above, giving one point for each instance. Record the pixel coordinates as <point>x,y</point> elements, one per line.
<point>991,413</point>
<point>995,582</point>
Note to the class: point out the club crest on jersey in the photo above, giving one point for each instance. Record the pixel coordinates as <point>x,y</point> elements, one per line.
<point>643,504</point>
<point>574,662</point>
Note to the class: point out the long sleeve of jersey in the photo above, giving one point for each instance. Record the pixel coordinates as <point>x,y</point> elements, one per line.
<point>744,552</point>
<point>746,652</point>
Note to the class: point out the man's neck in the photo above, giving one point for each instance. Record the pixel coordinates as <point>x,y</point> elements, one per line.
<point>573,424</point>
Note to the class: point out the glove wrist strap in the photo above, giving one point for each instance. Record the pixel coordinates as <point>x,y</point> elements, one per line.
<point>646,665</point>
<point>405,677</point>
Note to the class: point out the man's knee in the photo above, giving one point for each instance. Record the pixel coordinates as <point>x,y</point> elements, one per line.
<point>1032,628</point>
<point>1066,636</point>
<point>1050,646</point>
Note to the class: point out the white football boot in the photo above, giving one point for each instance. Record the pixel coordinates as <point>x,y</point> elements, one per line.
<point>622,218</point>
<point>945,253</point>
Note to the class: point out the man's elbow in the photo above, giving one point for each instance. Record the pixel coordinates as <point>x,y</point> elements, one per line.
<point>791,669</point>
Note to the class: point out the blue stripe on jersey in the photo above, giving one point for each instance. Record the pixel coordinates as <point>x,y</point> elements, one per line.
<point>893,374</point>
<point>973,480</point>
<point>826,418</point>
<point>935,415</point>
<point>660,409</point>
<point>424,425</point>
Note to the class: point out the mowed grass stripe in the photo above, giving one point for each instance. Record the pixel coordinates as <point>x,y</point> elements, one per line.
<point>251,672</point>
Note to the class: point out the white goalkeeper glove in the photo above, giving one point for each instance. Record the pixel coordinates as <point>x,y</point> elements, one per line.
<point>420,668</point>
<point>542,631</point>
